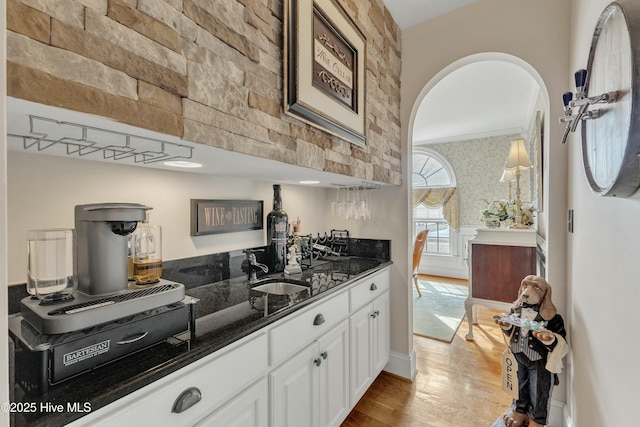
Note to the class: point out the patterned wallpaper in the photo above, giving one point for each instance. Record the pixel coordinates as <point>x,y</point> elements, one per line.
<point>478,165</point>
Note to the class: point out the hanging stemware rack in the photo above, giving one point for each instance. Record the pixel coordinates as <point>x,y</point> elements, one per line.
<point>82,140</point>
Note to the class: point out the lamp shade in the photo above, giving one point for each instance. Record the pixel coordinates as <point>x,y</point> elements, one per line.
<point>508,176</point>
<point>518,158</point>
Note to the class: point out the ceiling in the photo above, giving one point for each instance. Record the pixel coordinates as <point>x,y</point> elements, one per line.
<point>411,12</point>
<point>481,99</point>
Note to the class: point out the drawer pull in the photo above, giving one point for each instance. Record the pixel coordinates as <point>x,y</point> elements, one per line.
<point>375,314</point>
<point>133,339</point>
<point>373,287</point>
<point>324,355</point>
<point>319,320</point>
<point>317,361</point>
<point>186,400</point>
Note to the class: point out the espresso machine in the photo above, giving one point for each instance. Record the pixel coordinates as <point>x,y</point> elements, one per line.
<point>107,317</point>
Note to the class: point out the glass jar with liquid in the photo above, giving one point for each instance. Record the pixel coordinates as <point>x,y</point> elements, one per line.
<point>51,267</point>
<point>146,253</point>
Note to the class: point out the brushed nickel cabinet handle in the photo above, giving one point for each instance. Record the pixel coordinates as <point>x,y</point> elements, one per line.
<point>186,400</point>
<point>319,320</point>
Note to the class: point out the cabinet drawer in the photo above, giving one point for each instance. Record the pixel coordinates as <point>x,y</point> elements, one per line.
<point>369,288</point>
<point>217,378</point>
<point>299,330</point>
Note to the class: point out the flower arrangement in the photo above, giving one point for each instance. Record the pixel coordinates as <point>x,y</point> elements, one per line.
<point>505,211</point>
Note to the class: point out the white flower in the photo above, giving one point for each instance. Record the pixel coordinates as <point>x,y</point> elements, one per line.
<point>505,211</point>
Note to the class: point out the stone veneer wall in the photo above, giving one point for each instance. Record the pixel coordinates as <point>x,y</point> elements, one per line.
<point>209,71</point>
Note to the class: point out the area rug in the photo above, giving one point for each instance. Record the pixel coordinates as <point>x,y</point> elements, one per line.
<point>440,310</point>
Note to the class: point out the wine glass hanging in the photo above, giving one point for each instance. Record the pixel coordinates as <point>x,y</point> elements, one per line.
<point>353,202</point>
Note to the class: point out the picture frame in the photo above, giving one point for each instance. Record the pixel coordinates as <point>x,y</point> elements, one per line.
<point>324,68</point>
<point>536,150</point>
<point>225,216</point>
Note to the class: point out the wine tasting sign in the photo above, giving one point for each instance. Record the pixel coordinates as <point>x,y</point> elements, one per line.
<point>225,216</point>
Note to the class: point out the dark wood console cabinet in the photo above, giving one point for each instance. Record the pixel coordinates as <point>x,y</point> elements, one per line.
<point>498,261</point>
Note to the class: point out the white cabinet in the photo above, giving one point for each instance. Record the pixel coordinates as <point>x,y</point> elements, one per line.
<point>308,369</point>
<point>204,386</point>
<point>311,388</point>
<point>249,409</point>
<point>334,376</point>
<point>369,351</point>
<point>380,332</point>
<point>294,332</point>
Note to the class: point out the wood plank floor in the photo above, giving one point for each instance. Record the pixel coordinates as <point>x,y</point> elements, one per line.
<point>457,384</point>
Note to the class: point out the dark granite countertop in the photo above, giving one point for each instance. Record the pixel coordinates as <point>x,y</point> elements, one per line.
<point>227,311</point>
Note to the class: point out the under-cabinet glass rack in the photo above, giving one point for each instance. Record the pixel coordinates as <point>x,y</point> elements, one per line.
<point>82,140</point>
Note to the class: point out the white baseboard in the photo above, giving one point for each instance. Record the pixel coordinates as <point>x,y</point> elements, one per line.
<point>557,416</point>
<point>402,365</point>
<point>446,271</point>
<point>568,422</point>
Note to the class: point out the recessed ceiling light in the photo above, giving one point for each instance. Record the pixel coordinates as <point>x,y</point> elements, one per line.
<point>308,182</point>
<point>182,164</point>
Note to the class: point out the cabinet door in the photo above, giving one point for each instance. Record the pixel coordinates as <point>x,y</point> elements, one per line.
<point>333,384</point>
<point>249,409</point>
<point>496,270</point>
<point>360,336</point>
<point>380,328</point>
<point>293,386</point>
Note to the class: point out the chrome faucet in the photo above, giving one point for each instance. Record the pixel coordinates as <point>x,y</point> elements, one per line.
<point>254,265</point>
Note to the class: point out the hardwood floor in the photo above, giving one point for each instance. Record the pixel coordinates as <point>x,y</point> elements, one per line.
<point>457,384</point>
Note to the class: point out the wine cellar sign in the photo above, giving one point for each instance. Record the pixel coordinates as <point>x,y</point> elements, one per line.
<point>324,79</point>
<point>225,216</point>
<point>333,65</point>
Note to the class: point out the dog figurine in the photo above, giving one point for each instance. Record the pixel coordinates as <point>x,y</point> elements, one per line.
<point>538,353</point>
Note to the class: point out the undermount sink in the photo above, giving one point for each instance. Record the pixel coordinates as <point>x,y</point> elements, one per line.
<point>276,295</point>
<point>280,288</point>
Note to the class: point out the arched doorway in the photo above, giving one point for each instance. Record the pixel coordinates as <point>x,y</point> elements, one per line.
<point>468,113</point>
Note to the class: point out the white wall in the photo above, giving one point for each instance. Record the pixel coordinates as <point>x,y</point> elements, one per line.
<point>390,221</point>
<point>603,290</point>
<point>43,191</point>
<point>535,34</point>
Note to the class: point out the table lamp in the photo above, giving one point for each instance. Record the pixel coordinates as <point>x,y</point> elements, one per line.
<point>518,161</point>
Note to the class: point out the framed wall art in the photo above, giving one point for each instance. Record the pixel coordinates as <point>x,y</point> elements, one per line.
<point>324,75</point>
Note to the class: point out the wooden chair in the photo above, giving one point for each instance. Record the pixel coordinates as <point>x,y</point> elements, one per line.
<point>421,239</point>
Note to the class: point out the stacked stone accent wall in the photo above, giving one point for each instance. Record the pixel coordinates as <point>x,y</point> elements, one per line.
<point>209,71</point>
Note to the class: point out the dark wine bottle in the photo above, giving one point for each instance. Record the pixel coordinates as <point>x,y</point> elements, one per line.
<point>277,231</point>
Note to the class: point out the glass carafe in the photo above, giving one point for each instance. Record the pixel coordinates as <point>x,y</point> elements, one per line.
<point>146,245</point>
<point>51,267</point>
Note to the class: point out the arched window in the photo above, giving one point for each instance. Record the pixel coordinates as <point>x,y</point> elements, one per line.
<point>429,171</point>
<point>433,183</point>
